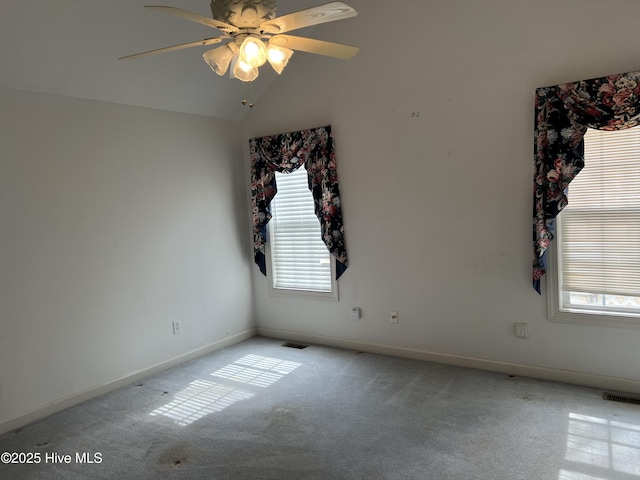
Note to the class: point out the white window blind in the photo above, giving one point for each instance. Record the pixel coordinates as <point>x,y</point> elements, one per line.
<point>599,233</point>
<point>299,258</point>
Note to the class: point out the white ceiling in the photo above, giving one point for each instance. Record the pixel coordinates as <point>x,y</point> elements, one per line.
<point>71,47</point>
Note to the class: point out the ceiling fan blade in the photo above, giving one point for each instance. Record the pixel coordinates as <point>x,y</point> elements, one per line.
<point>206,41</point>
<point>311,16</point>
<point>320,47</point>
<point>194,17</point>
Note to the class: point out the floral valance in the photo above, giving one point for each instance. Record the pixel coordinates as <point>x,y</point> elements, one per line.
<point>285,153</point>
<point>562,115</point>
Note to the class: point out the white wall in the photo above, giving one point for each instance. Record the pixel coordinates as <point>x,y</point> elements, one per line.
<point>114,221</point>
<point>438,206</point>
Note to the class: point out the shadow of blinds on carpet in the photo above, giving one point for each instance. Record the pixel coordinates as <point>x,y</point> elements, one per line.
<point>203,397</point>
<point>603,446</point>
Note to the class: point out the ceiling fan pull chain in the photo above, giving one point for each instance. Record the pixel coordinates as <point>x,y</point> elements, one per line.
<point>251,104</point>
<point>244,100</point>
<point>244,94</point>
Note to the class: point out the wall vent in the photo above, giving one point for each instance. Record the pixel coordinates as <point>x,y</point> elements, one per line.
<point>299,346</point>
<point>621,398</point>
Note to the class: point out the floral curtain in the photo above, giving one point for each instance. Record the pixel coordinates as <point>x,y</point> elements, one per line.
<point>563,114</point>
<point>285,153</point>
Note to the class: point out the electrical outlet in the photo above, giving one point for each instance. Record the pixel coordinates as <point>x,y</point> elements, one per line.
<point>177,327</point>
<point>394,318</point>
<point>521,330</point>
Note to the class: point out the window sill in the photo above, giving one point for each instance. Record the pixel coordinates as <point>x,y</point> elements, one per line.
<point>590,317</point>
<point>303,294</point>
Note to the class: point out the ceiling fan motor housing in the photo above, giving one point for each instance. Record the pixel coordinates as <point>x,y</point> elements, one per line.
<point>243,13</point>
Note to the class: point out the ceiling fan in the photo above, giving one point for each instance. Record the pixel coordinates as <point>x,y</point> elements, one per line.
<point>247,24</point>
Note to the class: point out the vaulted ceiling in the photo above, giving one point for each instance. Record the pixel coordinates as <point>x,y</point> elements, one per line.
<point>71,48</point>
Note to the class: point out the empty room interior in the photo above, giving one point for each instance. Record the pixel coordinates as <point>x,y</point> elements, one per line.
<point>139,334</point>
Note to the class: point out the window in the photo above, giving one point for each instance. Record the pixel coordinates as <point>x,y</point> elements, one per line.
<point>300,261</point>
<point>598,233</point>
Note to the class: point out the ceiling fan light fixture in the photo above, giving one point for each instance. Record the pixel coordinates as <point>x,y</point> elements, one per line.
<point>253,51</point>
<point>278,57</point>
<point>256,35</point>
<point>245,72</point>
<point>219,58</point>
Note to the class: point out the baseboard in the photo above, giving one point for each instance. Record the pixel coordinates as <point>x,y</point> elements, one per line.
<point>543,373</point>
<point>80,397</point>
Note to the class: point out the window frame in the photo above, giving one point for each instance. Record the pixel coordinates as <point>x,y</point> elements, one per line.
<point>587,314</point>
<point>273,291</point>
<point>291,293</point>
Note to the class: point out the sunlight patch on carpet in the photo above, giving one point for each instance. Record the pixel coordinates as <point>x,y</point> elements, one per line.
<point>605,444</point>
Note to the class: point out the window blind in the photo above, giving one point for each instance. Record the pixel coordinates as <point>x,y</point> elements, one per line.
<point>600,227</point>
<point>299,258</point>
